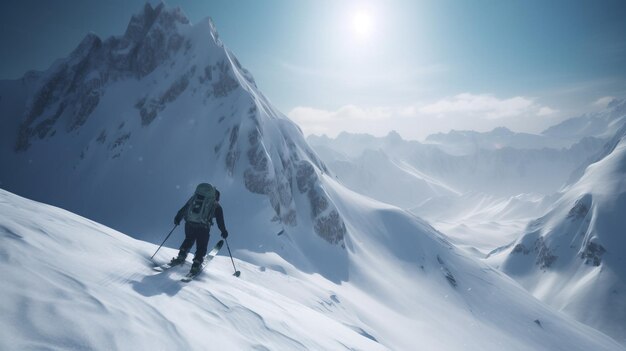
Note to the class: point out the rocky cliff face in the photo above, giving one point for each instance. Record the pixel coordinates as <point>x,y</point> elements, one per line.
<point>72,88</point>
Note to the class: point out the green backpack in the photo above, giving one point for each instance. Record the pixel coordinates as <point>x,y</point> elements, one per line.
<point>202,205</point>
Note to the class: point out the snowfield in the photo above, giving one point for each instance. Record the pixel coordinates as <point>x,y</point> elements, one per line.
<point>71,283</point>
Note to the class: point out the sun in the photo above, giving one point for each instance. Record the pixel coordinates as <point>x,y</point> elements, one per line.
<point>362,24</point>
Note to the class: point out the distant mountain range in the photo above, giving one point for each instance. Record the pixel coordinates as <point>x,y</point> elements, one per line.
<point>572,257</point>
<point>601,124</point>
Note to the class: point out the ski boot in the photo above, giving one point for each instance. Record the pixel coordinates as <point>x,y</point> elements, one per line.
<point>195,267</point>
<point>180,259</point>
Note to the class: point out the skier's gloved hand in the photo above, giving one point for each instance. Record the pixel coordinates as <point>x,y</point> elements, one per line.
<point>225,234</point>
<point>177,220</point>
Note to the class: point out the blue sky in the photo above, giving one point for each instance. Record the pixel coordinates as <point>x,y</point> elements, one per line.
<point>371,66</point>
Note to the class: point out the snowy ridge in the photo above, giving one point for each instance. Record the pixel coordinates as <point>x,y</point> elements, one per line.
<point>572,257</point>
<point>466,142</point>
<point>601,124</point>
<point>73,283</point>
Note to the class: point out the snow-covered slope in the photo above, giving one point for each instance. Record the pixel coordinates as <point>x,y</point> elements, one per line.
<point>70,283</point>
<point>480,222</point>
<point>573,257</point>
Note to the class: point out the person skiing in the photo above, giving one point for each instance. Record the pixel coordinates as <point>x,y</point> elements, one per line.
<point>198,213</point>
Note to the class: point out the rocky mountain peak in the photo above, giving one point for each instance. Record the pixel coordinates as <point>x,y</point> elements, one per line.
<point>140,24</point>
<point>169,84</point>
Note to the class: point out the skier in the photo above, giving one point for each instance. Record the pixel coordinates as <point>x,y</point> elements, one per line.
<point>198,213</point>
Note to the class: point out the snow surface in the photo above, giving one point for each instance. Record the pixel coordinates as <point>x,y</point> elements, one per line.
<point>71,283</point>
<point>480,222</point>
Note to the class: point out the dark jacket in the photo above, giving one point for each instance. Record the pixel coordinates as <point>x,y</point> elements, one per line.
<point>218,214</point>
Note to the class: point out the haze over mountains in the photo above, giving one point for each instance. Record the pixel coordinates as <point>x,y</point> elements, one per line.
<point>123,129</point>
<point>536,209</point>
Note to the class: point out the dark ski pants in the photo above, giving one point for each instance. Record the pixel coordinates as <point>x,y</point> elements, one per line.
<point>199,235</point>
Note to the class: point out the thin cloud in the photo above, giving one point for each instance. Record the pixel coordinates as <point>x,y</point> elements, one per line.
<point>350,118</point>
<point>485,105</point>
<point>546,111</point>
<point>603,102</point>
<point>464,111</point>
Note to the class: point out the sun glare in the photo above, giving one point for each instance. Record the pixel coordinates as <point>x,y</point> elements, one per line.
<point>362,24</point>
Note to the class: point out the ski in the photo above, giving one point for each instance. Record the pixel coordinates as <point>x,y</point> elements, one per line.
<point>190,276</point>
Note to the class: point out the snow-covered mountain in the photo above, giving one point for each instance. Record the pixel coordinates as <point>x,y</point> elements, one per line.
<point>602,124</point>
<point>499,163</point>
<point>124,128</point>
<point>481,201</point>
<point>502,172</point>
<point>466,142</point>
<point>71,283</point>
<point>573,257</point>
<point>371,170</point>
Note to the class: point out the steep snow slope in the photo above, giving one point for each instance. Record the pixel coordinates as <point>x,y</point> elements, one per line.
<point>70,283</point>
<point>573,257</point>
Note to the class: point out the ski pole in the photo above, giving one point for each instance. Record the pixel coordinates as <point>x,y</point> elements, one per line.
<point>167,237</point>
<point>237,273</point>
